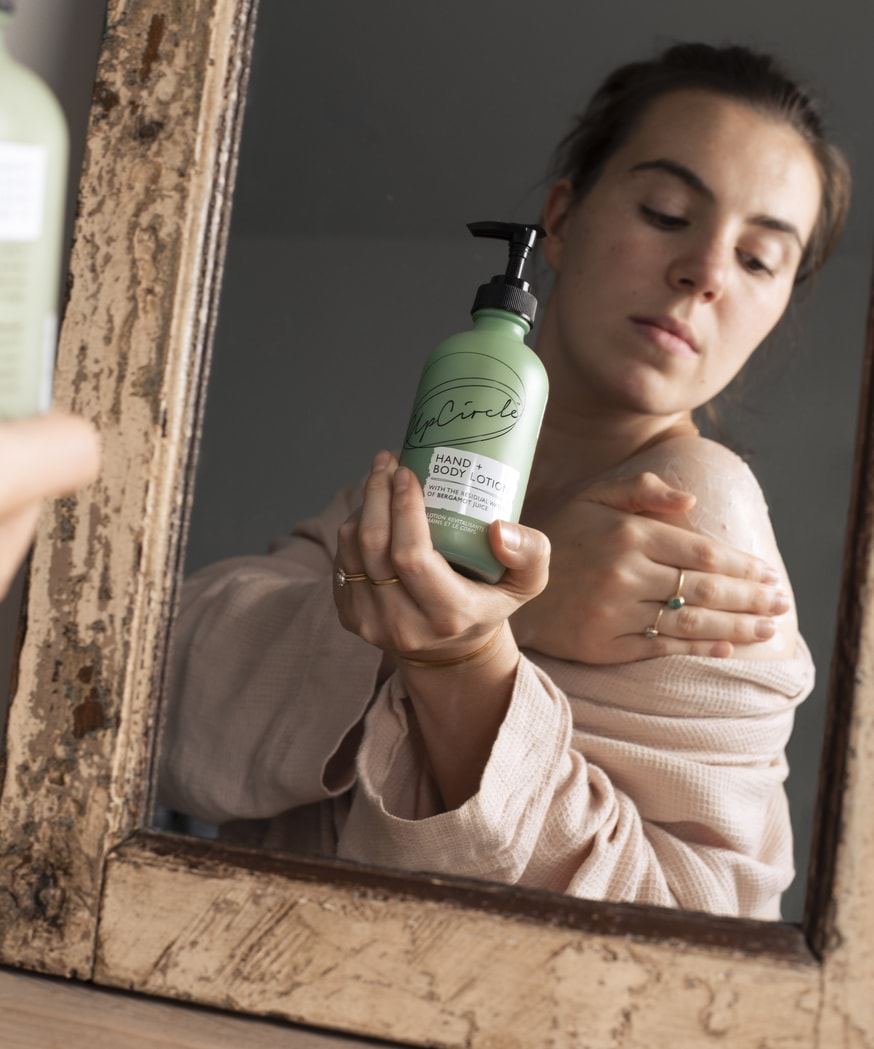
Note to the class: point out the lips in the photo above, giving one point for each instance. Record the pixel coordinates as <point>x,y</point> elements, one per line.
<point>670,334</point>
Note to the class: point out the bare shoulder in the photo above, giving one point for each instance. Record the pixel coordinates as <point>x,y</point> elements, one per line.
<point>730,504</point>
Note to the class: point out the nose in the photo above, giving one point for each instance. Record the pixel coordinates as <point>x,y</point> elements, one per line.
<point>700,271</point>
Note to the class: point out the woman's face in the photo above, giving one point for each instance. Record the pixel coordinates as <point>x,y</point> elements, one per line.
<point>680,259</point>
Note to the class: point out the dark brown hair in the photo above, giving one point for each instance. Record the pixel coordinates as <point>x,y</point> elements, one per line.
<point>736,72</point>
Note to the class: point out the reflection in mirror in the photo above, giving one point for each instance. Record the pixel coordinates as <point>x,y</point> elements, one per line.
<point>362,160</point>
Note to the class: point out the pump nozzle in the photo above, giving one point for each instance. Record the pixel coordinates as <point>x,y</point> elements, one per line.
<point>509,291</point>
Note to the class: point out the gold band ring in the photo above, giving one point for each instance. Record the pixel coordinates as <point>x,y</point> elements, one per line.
<point>341,578</point>
<point>653,630</point>
<point>385,582</point>
<point>677,601</point>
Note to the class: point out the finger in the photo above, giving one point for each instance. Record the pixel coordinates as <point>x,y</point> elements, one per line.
<point>681,548</point>
<point>423,572</point>
<point>706,590</point>
<point>690,623</point>
<point>727,594</point>
<point>427,608</point>
<point>348,552</point>
<point>525,553</point>
<point>375,525</point>
<point>645,492</point>
<point>632,649</point>
<point>45,456</point>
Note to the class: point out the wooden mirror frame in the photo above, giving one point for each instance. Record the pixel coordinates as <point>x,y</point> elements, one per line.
<point>87,892</point>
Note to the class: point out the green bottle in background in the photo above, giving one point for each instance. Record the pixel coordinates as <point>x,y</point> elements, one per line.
<point>477,414</point>
<point>33,172</point>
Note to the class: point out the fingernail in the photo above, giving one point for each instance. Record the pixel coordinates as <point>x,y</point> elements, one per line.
<point>676,496</point>
<point>721,650</point>
<point>780,604</point>
<point>765,629</point>
<point>402,479</point>
<point>770,577</point>
<point>380,461</point>
<point>511,536</point>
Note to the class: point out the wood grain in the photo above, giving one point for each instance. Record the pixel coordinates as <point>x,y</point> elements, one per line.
<point>38,1012</point>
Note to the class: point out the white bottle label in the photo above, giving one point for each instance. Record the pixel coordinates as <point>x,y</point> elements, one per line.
<point>473,485</point>
<point>23,171</point>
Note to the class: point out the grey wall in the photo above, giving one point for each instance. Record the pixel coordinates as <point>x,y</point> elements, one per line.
<point>374,133</point>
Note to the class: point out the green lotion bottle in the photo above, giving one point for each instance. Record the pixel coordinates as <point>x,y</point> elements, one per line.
<point>477,414</point>
<point>33,171</point>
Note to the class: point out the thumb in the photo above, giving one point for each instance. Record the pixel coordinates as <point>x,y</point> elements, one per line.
<point>525,553</point>
<point>643,493</point>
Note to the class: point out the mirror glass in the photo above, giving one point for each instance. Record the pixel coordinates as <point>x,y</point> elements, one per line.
<point>373,134</point>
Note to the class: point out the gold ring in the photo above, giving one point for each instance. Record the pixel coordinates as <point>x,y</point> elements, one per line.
<point>341,578</point>
<point>385,582</point>
<point>677,601</point>
<point>653,631</point>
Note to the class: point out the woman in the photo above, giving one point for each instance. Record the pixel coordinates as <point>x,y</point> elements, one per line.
<point>612,758</point>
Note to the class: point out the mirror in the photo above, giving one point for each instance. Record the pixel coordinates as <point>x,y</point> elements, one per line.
<point>370,139</point>
<point>87,894</point>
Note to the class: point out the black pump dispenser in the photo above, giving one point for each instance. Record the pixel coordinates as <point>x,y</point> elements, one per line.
<point>509,291</point>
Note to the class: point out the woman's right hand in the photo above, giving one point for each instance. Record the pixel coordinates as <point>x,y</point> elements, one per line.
<point>444,633</point>
<point>41,457</point>
<point>402,596</point>
<point>613,567</point>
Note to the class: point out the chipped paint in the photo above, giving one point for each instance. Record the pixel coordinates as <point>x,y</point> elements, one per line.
<point>139,312</point>
<point>152,49</point>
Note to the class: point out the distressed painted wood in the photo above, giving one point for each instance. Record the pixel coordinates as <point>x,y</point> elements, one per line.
<point>431,972</point>
<point>85,892</point>
<point>144,269</point>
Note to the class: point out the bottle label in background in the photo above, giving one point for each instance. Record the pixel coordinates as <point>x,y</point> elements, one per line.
<point>23,171</point>
<point>49,346</point>
<point>473,485</point>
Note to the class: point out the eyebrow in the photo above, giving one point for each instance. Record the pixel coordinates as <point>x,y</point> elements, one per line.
<point>698,184</point>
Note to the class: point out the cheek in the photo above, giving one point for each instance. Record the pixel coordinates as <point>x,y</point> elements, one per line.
<point>754,320</point>
<point>764,321</point>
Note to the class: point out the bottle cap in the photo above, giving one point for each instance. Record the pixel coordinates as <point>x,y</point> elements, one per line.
<point>509,291</point>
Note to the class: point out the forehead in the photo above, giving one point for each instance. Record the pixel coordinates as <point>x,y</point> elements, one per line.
<point>742,154</point>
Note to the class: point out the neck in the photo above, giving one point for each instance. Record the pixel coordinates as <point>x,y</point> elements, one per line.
<point>587,433</point>
<point>573,453</point>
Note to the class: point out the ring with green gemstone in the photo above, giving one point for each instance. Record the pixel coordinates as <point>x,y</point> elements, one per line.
<point>677,601</point>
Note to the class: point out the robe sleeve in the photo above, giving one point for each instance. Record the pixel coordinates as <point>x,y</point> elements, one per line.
<point>264,682</point>
<point>657,782</point>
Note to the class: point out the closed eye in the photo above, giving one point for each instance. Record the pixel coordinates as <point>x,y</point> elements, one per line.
<point>661,220</point>
<point>754,265</point>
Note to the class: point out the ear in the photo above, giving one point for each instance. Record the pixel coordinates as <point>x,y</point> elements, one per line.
<point>555,213</point>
